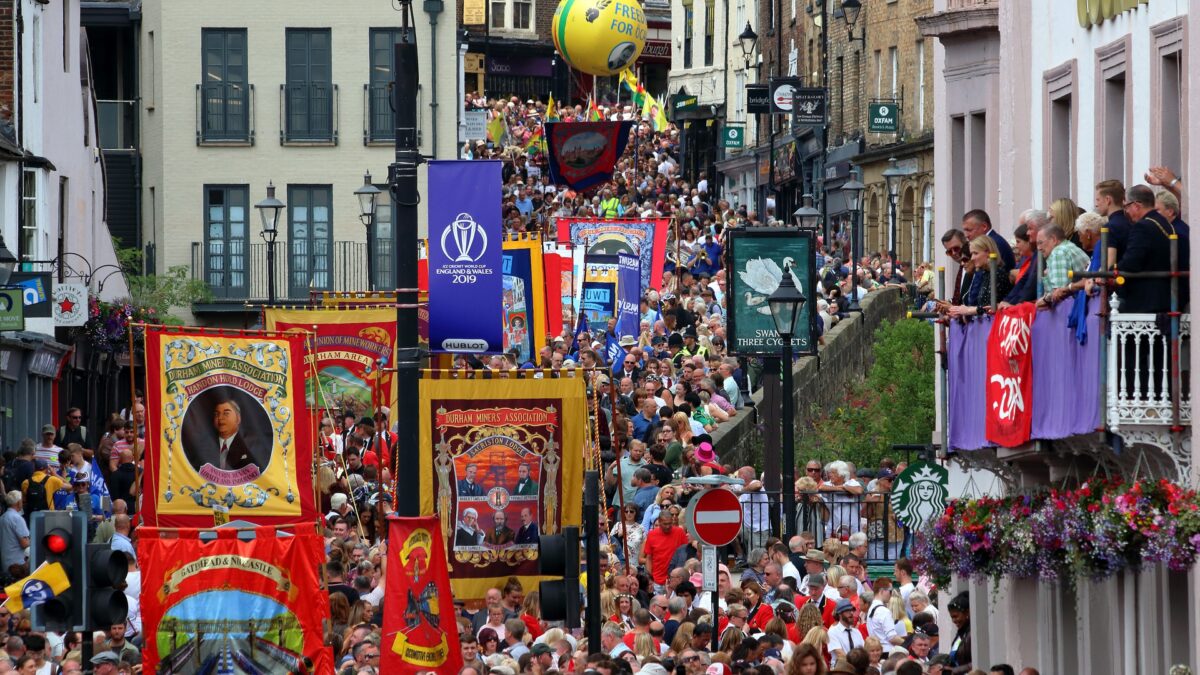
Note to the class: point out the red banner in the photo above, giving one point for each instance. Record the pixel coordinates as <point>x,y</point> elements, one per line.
<point>553,263</point>
<point>225,605</point>
<point>1009,376</point>
<point>419,629</point>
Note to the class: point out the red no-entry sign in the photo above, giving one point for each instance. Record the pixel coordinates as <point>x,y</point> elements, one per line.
<point>714,517</point>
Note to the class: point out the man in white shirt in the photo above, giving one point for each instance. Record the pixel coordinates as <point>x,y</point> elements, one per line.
<point>843,635</point>
<point>879,618</point>
<point>779,554</point>
<point>903,572</point>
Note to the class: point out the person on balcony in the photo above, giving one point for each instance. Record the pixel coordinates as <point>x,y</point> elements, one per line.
<point>1062,258</point>
<point>1087,226</point>
<point>1149,250</point>
<point>1110,202</point>
<point>1167,204</point>
<point>1024,288</point>
<point>980,301</point>
<point>955,244</point>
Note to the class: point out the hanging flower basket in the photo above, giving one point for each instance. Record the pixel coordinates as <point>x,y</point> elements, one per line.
<point>107,327</point>
<point>1094,532</point>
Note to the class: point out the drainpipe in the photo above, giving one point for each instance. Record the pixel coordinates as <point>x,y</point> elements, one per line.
<point>433,8</point>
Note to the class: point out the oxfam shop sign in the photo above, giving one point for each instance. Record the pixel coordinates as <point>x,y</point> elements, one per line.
<point>1096,12</point>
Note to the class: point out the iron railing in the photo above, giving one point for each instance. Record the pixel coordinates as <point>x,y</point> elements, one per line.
<point>236,270</point>
<point>224,113</point>
<point>308,112</point>
<point>826,514</point>
<point>1139,379</point>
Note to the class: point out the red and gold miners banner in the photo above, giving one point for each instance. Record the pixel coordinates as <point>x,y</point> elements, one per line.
<point>502,460</point>
<point>228,425</point>
<point>353,346</point>
<point>256,605</point>
<point>419,629</point>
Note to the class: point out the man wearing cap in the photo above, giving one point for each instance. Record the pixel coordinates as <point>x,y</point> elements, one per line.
<point>383,441</point>
<point>542,655</point>
<point>690,346</point>
<point>815,588</point>
<point>47,451</point>
<point>815,563</point>
<point>844,635</point>
<point>50,484</point>
<point>106,663</point>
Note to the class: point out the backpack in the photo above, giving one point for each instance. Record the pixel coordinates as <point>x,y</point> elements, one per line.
<point>36,499</point>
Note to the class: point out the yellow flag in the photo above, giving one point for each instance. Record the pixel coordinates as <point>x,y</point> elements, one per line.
<point>497,129</point>
<point>47,581</point>
<point>551,110</point>
<point>653,112</point>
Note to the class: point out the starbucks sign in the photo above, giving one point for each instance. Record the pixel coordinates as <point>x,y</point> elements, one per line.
<point>920,494</point>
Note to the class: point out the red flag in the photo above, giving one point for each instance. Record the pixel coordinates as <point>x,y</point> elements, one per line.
<point>553,277</point>
<point>1009,376</point>
<point>420,633</point>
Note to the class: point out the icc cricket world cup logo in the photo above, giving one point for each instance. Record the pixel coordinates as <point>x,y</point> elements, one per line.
<point>467,236</point>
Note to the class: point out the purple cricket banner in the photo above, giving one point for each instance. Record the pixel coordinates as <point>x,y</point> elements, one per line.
<point>1066,378</point>
<point>465,256</point>
<point>629,293</point>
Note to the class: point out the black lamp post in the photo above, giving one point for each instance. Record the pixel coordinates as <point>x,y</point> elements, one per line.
<point>806,217</point>
<point>850,12</point>
<point>269,210</point>
<point>786,303</point>
<point>8,262</point>
<point>368,201</point>
<point>893,175</point>
<point>748,39</point>
<point>853,189</point>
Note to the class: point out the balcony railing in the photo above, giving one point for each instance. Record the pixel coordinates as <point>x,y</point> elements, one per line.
<point>308,113</point>
<point>118,124</point>
<point>236,270</point>
<point>1139,379</point>
<point>224,113</point>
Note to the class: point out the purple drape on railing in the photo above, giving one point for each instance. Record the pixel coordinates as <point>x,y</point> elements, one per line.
<point>1066,374</point>
<point>965,379</point>
<point>1066,378</point>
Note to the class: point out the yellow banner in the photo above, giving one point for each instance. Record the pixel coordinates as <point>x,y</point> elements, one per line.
<point>501,465</point>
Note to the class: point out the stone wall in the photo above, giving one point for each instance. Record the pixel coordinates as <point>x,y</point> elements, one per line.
<point>820,381</point>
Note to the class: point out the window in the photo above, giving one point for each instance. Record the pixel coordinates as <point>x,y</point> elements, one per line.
<point>920,85</point>
<point>1171,96</point>
<point>522,15</point>
<point>64,209</point>
<point>27,246</point>
<point>978,163</point>
<point>499,14</point>
<point>382,126</point>
<point>226,208</point>
<point>66,35</point>
<point>958,168</point>
<point>153,57</point>
<point>1059,131</point>
<point>710,14</point>
<point>878,73</point>
<point>1112,105</point>
<point>224,94</point>
<point>384,277</point>
<point>1169,134</point>
<point>310,238</point>
<point>895,61</point>
<point>689,16</point>
<point>37,57</point>
<point>739,93</point>
<point>520,18</point>
<point>309,88</point>
<point>739,14</point>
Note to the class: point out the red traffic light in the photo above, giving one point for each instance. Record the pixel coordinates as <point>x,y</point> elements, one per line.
<point>57,541</point>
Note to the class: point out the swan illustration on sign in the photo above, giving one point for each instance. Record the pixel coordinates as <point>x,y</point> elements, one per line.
<point>764,276</point>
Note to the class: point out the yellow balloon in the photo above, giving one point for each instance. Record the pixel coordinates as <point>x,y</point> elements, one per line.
<point>599,37</point>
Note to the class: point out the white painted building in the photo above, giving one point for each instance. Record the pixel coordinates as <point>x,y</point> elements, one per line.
<point>1036,101</point>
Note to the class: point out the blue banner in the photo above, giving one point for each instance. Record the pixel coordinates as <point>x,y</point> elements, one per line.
<point>519,290</point>
<point>629,292</point>
<point>599,298</point>
<point>464,256</point>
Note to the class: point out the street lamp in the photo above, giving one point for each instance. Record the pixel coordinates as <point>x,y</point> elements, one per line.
<point>368,200</point>
<point>806,217</point>
<point>850,12</point>
<point>269,210</point>
<point>893,175</point>
<point>8,262</point>
<point>853,190</point>
<point>786,303</point>
<point>748,39</point>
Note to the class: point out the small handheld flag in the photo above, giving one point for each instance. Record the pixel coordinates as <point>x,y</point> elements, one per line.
<point>47,581</point>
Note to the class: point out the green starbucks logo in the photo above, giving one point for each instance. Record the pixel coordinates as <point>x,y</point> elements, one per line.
<point>920,494</point>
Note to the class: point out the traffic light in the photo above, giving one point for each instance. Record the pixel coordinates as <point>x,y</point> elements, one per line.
<point>104,603</point>
<point>59,537</point>
<point>558,557</point>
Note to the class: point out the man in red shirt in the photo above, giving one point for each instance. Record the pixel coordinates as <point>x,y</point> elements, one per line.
<point>660,545</point>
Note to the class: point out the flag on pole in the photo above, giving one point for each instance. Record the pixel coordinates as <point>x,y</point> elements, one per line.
<point>593,111</point>
<point>653,112</point>
<point>581,327</point>
<point>638,92</point>
<point>47,582</point>
<point>497,129</point>
<point>551,110</point>
<point>536,143</point>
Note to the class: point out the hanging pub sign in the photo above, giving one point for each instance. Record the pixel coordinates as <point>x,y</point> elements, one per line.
<point>883,117</point>
<point>70,305</point>
<point>808,107</point>
<point>758,259</point>
<point>12,309</point>
<point>35,287</point>
<point>758,99</point>
<point>782,92</point>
